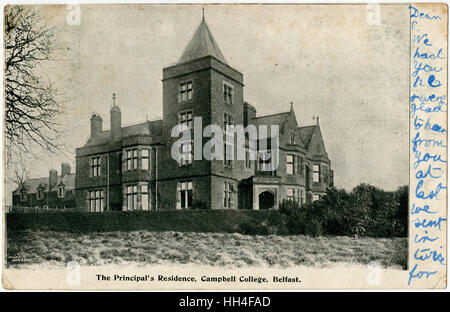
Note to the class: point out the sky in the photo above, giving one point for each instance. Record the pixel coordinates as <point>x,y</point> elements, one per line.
<point>327,59</point>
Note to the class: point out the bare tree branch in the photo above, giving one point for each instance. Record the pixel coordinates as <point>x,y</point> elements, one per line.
<point>20,175</point>
<point>31,105</point>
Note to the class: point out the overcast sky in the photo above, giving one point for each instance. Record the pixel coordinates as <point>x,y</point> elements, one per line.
<point>324,58</point>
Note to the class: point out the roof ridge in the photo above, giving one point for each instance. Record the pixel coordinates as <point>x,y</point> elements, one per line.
<point>42,178</point>
<point>30,179</point>
<point>141,123</point>
<point>276,114</point>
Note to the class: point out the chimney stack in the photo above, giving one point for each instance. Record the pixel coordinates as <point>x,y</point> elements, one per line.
<point>116,121</point>
<point>249,113</point>
<point>96,124</point>
<point>52,178</point>
<point>65,169</point>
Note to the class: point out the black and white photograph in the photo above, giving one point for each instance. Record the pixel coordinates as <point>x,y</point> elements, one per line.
<point>223,146</point>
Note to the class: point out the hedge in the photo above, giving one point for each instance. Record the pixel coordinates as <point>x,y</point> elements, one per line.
<point>365,211</point>
<point>228,221</point>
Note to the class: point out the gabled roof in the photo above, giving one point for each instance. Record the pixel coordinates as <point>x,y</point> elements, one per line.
<point>149,128</point>
<point>202,44</point>
<point>275,119</point>
<point>306,133</point>
<point>32,185</point>
<point>68,180</point>
<point>280,119</point>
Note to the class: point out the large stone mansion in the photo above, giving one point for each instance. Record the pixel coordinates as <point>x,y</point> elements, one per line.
<point>131,168</point>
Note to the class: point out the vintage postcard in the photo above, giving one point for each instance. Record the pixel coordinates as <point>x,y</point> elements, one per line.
<point>224,146</point>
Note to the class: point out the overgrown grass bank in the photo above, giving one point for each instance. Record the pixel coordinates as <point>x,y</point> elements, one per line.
<point>31,247</point>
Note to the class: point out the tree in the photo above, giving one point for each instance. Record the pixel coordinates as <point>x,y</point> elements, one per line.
<point>31,105</point>
<point>20,175</point>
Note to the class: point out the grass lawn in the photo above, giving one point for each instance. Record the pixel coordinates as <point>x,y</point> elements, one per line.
<point>215,249</point>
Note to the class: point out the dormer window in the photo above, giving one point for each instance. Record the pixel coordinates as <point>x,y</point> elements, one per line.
<point>185,93</point>
<point>40,193</point>
<point>23,195</point>
<point>228,93</point>
<point>61,191</point>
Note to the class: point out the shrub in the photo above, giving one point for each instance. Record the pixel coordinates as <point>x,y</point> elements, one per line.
<point>248,228</point>
<point>276,223</point>
<point>314,227</point>
<point>296,216</point>
<point>288,206</point>
<point>379,213</point>
<point>366,211</point>
<point>335,212</point>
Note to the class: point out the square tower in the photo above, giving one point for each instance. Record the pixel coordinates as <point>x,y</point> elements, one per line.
<point>201,84</point>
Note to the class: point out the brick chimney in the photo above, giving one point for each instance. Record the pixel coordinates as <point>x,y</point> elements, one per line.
<point>96,124</point>
<point>116,121</point>
<point>52,178</point>
<point>65,169</point>
<point>249,113</point>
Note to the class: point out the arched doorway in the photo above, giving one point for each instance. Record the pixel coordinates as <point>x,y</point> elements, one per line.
<point>266,200</point>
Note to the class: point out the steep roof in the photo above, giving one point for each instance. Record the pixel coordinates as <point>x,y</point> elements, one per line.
<point>312,136</point>
<point>32,185</point>
<point>202,44</point>
<point>306,133</point>
<point>68,180</point>
<point>150,128</point>
<point>283,120</point>
<point>275,119</point>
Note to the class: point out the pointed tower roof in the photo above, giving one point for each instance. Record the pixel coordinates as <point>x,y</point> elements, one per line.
<point>202,44</point>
